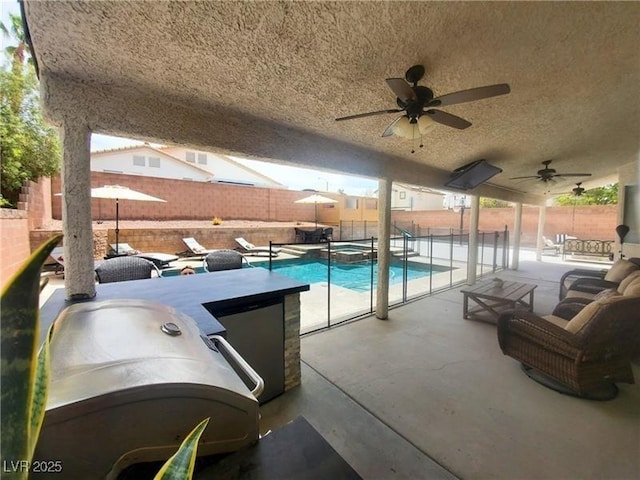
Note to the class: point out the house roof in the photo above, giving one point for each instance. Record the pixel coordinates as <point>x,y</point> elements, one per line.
<point>226,158</point>
<point>159,151</point>
<point>266,80</point>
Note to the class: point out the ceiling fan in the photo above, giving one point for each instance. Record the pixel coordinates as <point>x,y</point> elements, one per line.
<point>417,101</point>
<point>547,174</point>
<point>577,191</point>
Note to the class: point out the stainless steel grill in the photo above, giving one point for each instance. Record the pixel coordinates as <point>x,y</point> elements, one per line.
<point>130,379</point>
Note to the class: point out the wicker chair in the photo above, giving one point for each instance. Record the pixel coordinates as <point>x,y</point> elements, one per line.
<point>594,281</point>
<point>121,269</point>
<point>592,352</point>
<point>223,260</point>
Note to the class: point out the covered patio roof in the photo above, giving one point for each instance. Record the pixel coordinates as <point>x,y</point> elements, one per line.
<point>266,80</point>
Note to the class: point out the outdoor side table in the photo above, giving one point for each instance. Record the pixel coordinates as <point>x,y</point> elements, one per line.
<point>492,299</point>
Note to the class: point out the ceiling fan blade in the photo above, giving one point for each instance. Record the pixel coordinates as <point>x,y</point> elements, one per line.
<point>447,119</point>
<point>470,95</point>
<point>369,114</point>
<point>402,89</point>
<point>572,175</point>
<point>522,178</point>
<point>389,131</point>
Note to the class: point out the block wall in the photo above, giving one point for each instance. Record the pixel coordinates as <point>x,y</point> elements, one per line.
<point>192,201</point>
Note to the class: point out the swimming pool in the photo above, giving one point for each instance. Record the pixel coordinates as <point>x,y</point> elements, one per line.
<point>355,277</point>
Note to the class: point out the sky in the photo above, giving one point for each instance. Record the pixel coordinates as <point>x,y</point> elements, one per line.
<point>293,177</point>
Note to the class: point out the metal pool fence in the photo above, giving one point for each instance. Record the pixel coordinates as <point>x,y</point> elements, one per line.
<point>343,274</point>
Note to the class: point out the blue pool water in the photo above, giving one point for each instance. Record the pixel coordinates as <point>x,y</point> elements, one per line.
<point>355,277</point>
<point>352,276</point>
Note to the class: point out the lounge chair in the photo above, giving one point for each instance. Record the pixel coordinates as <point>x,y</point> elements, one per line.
<point>194,248</point>
<point>58,255</point>
<point>160,260</point>
<point>224,260</point>
<point>250,249</point>
<point>550,247</point>
<point>121,269</point>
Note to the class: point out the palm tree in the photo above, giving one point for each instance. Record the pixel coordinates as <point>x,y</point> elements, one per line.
<point>20,52</point>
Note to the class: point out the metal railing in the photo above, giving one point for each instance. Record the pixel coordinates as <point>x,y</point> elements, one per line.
<point>343,274</point>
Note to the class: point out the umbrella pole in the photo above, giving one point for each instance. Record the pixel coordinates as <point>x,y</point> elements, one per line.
<point>117,229</point>
<point>316,212</point>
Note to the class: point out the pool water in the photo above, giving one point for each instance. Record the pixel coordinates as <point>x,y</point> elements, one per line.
<point>355,277</point>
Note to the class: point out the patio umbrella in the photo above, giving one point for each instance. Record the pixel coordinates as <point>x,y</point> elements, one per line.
<point>316,199</point>
<point>118,193</point>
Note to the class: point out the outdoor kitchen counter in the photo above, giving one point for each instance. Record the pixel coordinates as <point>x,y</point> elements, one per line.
<point>188,294</point>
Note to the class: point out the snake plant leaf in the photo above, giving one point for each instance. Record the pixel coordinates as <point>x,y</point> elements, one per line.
<point>19,335</point>
<point>40,390</point>
<point>180,465</point>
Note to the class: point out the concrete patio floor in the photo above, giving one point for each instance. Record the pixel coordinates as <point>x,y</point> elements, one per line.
<point>426,394</point>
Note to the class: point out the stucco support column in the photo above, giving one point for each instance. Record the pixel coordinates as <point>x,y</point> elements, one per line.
<point>517,234</point>
<point>79,277</point>
<point>384,243</point>
<point>473,240</point>
<point>542,218</point>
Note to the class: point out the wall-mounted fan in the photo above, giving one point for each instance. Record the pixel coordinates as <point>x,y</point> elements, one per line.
<point>418,101</point>
<point>549,174</point>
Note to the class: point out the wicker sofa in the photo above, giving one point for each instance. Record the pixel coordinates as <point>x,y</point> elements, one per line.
<point>585,345</point>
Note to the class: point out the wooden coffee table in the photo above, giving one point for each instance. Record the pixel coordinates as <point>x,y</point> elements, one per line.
<point>491,300</point>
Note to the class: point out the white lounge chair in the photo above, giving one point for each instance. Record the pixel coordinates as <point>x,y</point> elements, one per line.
<point>250,249</point>
<point>195,249</point>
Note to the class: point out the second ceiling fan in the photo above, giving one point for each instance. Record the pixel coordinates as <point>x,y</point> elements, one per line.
<point>548,174</point>
<point>416,101</point>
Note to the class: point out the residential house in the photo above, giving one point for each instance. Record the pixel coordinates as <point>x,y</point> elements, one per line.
<point>412,197</point>
<point>177,163</point>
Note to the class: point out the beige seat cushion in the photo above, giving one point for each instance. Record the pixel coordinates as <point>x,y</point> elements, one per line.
<point>619,270</point>
<point>579,294</point>
<point>608,293</point>
<point>559,321</point>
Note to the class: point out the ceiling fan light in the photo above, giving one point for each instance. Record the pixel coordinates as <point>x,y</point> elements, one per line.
<point>405,129</point>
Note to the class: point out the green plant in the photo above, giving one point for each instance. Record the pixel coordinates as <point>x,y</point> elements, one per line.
<point>25,373</point>
<point>216,221</point>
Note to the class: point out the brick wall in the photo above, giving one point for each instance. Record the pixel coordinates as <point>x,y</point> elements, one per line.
<point>35,198</point>
<point>587,222</point>
<point>192,201</point>
<point>169,240</point>
<point>34,211</point>
<point>14,241</point>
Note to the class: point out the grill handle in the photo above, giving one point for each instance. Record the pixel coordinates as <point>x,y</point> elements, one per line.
<point>241,363</point>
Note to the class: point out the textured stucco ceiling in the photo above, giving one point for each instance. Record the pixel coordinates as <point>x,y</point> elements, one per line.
<point>573,68</point>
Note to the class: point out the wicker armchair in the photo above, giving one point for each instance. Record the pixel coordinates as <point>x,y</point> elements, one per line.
<point>121,269</point>
<point>223,260</point>
<point>592,352</point>
<point>594,281</point>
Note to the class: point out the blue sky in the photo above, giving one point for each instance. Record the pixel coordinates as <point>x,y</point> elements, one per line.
<point>294,178</point>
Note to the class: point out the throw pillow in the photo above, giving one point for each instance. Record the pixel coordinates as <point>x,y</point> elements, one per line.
<point>632,277</point>
<point>585,315</point>
<point>620,270</point>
